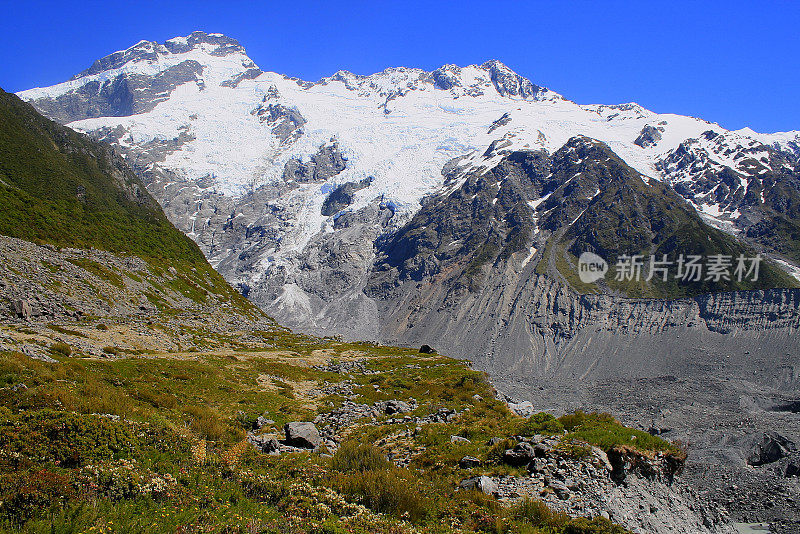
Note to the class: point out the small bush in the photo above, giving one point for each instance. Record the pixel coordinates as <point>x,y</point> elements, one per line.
<point>25,495</point>
<point>538,514</point>
<point>359,458</point>
<point>102,326</point>
<point>385,491</point>
<point>61,349</point>
<point>541,423</point>
<point>571,421</point>
<point>602,430</point>
<point>495,453</point>
<point>598,525</point>
<point>67,439</point>
<point>206,422</point>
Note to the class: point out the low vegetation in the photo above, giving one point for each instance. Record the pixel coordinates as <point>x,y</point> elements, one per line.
<point>158,444</point>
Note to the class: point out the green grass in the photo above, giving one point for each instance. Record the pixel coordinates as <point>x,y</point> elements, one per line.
<point>57,186</point>
<point>63,465</point>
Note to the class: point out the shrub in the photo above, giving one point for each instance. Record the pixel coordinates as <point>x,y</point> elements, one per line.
<point>538,514</point>
<point>206,422</point>
<point>573,420</point>
<point>495,453</point>
<point>61,349</point>
<point>385,491</point>
<point>102,326</point>
<point>598,525</point>
<point>602,430</point>
<point>353,457</point>
<point>25,495</point>
<point>541,423</point>
<point>67,439</point>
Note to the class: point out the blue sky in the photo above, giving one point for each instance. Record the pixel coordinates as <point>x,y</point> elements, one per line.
<point>736,63</point>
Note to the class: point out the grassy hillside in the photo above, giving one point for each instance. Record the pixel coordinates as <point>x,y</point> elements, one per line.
<point>59,187</point>
<point>157,444</point>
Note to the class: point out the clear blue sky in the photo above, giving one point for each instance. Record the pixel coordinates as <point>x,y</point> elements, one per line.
<point>734,62</point>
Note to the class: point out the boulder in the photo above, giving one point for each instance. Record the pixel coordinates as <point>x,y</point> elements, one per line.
<point>771,448</point>
<point>523,409</point>
<point>265,444</point>
<point>792,468</point>
<point>302,434</point>
<point>468,462</point>
<point>480,483</point>
<point>459,439</point>
<point>427,349</point>
<point>538,465</point>
<point>521,454</point>
<point>21,309</point>
<point>542,450</point>
<point>559,487</point>
<point>396,406</point>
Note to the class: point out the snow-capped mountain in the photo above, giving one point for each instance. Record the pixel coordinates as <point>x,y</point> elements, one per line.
<point>290,187</point>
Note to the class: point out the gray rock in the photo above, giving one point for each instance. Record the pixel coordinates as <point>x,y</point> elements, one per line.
<point>771,448</point>
<point>468,462</point>
<point>459,439</point>
<point>262,421</point>
<point>559,487</point>
<point>265,444</point>
<point>302,434</point>
<point>649,136</point>
<point>523,409</point>
<point>21,309</point>
<point>480,483</point>
<point>521,454</point>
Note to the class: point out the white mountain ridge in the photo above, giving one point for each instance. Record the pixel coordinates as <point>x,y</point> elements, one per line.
<point>397,128</point>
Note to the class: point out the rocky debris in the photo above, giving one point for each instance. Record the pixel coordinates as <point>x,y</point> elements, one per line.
<point>345,367</point>
<point>442,415</point>
<point>521,454</point>
<point>302,434</point>
<point>648,498</point>
<point>479,483</point>
<point>392,407</point>
<point>523,409</point>
<point>771,448</point>
<point>263,421</point>
<point>427,349</point>
<point>265,444</point>
<point>649,136</point>
<point>343,388</point>
<point>468,462</point>
<point>347,414</point>
<point>37,353</point>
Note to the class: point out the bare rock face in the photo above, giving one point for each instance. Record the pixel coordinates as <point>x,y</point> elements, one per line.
<point>302,434</point>
<point>649,136</point>
<point>21,309</point>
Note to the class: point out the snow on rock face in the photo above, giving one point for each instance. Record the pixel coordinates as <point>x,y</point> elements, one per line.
<point>213,136</point>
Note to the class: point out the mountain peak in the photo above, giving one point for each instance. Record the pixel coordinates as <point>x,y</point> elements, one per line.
<point>215,44</point>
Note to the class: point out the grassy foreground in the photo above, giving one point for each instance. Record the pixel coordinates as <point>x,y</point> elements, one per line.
<point>157,444</point>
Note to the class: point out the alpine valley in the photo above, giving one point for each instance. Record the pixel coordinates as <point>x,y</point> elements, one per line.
<point>450,208</point>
